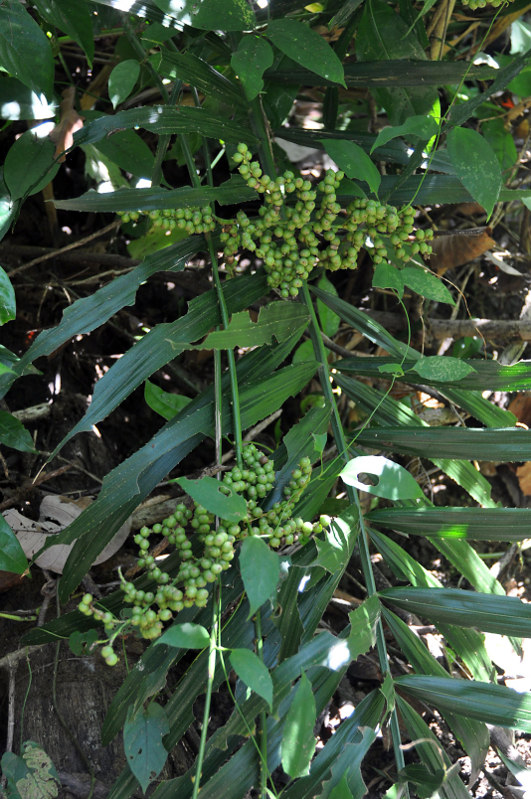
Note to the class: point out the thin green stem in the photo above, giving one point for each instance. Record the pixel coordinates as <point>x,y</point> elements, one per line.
<point>212,654</point>
<point>164,140</point>
<point>341,444</point>
<point>263,716</point>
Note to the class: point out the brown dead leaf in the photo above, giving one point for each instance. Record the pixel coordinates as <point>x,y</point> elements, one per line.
<point>69,122</point>
<point>455,249</point>
<point>521,407</point>
<point>524,478</point>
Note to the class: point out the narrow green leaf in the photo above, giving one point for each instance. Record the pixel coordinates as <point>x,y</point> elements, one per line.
<point>392,480</point>
<point>304,46</point>
<point>8,306</point>
<point>476,524</point>
<point>476,166</point>
<point>143,745</point>
<point>353,161</point>
<point>163,402</point>
<point>504,615</point>
<point>426,284</point>
<point>208,80</point>
<point>12,557</point>
<point>14,434</point>
<point>493,704</point>
<point>278,320</point>
<point>25,52</point>
<point>229,193</point>
<point>185,636</point>
<point>482,444</point>
<point>216,497</point>
<point>122,80</point>
<point>253,672</point>
<point>211,15</point>
<point>298,741</point>
<point>473,734</point>
<point>260,571</point>
<point>253,56</point>
<point>165,119</point>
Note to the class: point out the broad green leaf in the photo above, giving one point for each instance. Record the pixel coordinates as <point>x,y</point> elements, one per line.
<point>298,741</point>
<point>14,434</point>
<point>163,402</point>
<point>392,480</point>
<point>493,704</point>
<point>29,164</point>
<point>426,284</point>
<point>353,161</point>
<point>253,56</point>
<point>229,193</point>
<point>439,367</point>
<point>81,642</point>
<point>329,320</point>
<point>418,127</point>
<point>18,101</point>
<point>12,557</point>
<point>32,776</point>
<point>341,790</point>
<point>504,615</point>
<point>426,783</point>
<point>363,620</point>
<point>260,571</point>
<point>8,306</point>
<point>8,214</point>
<point>128,151</point>
<point>216,497</point>
<point>71,17</point>
<point>144,750</point>
<point>25,52</point>
<point>304,46</point>
<point>482,444</point>
<point>185,636</point>
<point>253,672</point>
<point>122,80</point>
<point>475,524</point>
<point>304,352</point>
<point>384,35</point>
<point>333,549</point>
<point>502,142</point>
<point>210,15</point>
<point>476,166</point>
<point>278,320</point>
<point>387,276</point>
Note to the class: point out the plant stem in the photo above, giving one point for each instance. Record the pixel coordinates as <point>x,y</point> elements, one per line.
<point>212,653</point>
<point>339,437</point>
<point>263,716</point>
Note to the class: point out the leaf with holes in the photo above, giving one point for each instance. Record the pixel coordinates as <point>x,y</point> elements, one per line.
<point>392,480</point>
<point>144,750</point>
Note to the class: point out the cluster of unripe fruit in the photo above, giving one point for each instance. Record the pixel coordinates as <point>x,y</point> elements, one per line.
<point>473,4</point>
<point>205,550</point>
<point>191,220</point>
<point>300,226</point>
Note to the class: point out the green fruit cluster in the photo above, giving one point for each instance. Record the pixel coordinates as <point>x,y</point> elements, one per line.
<point>300,227</point>
<point>205,550</point>
<point>191,220</point>
<point>473,4</point>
